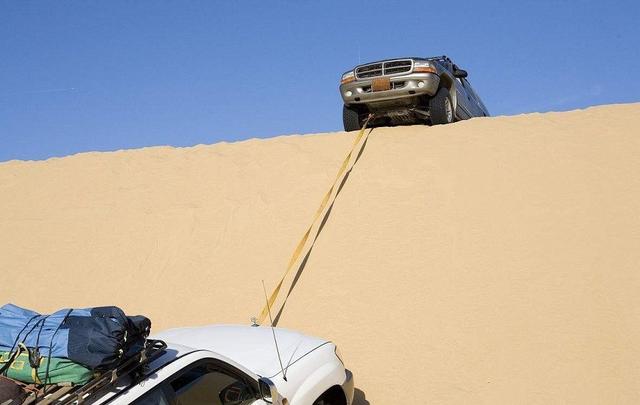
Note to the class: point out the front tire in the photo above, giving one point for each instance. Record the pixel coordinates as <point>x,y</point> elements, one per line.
<point>441,107</point>
<point>351,118</point>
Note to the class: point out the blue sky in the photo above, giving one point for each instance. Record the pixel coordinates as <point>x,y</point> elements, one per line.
<point>105,75</point>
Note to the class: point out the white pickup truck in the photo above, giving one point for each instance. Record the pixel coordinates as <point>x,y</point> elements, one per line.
<point>236,365</point>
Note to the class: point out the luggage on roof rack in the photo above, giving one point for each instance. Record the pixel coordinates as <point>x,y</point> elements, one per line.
<point>69,355</point>
<point>65,394</point>
<point>97,338</point>
<point>54,370</point>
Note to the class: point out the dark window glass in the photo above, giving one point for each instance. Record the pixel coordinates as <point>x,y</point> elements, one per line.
<point>153,397</point>
<point>207,385</point>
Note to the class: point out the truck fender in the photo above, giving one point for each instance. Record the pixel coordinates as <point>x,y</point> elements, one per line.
<point>448,81</point>
<point>317,383</point>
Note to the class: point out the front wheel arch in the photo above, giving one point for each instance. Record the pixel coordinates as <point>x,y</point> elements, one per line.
<point>332,396</point>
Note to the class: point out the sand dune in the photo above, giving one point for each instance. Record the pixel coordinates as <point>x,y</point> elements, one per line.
<point>490,261</point>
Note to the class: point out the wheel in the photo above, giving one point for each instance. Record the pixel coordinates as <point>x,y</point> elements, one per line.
<point>351,118</point>
<point>441,107</point>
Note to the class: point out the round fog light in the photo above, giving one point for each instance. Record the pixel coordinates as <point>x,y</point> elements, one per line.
<point>348,93</point>
<point>420,84</point>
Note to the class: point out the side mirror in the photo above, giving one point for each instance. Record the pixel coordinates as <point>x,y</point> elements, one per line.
<point>459,73</point>
<point>268,391</point>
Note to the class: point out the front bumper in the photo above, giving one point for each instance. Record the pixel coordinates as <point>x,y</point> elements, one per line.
<point>348,387</point>
<point>402,87</point>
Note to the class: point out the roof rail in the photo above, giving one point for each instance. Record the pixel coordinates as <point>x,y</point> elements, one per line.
<point>64,394</point>
<point>441,57</point>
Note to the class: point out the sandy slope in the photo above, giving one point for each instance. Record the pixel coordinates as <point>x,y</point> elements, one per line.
<point>490,261</point>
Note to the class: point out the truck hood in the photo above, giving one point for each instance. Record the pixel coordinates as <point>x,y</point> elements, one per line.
<point>252,347</point>
<point>391,59</point>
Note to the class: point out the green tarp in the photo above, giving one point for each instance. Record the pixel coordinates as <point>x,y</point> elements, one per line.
<point>61,370</point>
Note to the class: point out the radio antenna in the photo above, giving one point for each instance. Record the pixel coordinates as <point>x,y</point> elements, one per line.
<point>273,331</point>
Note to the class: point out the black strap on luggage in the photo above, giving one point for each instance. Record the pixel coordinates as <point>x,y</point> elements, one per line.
<point>9,362</point>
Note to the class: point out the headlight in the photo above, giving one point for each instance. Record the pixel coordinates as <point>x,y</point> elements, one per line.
<point>339,355</point>
<point>423,67</point>
<point>348,77</point>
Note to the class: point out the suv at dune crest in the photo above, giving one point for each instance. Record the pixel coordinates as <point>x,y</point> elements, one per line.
<point>430,90</point>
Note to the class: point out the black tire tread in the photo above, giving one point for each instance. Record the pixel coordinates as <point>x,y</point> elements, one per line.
<point>351,118</point>
<point>437,109</point>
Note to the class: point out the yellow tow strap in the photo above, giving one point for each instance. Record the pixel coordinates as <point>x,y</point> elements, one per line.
<point>325,200</point>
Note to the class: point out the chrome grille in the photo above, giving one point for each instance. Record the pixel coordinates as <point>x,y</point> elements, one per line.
<point>397,66</point>
<point>373,70</point>
<point>383,68</point>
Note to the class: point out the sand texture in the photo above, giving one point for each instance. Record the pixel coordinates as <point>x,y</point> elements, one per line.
<point>495,260</point>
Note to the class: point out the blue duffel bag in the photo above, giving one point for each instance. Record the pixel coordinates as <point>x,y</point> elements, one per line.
<point>98,338</point>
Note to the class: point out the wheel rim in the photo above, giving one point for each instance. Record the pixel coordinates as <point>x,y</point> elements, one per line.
<point>448,109</point>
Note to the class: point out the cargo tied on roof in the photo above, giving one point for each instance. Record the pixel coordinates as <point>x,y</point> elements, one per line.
<point>95,338</point>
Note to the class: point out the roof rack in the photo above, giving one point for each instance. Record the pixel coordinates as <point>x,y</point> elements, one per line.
<point>63,394</point>
<point>441,57</point>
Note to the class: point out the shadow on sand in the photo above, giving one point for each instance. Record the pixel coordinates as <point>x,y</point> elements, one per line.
<point>326,216</point>
<point>359,398</point>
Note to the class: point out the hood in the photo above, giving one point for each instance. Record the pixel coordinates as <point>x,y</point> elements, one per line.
<point>392,59</point>
<point>252,347</point>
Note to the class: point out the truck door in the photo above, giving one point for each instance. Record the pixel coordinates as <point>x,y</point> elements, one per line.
<point>462,109</point>
<point>472,105</point>
<point>480,109</point>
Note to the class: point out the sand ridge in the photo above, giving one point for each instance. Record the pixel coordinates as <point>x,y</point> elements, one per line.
<point>489,261</point>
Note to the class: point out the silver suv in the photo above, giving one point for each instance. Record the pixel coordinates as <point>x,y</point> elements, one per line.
<point>408,91</point>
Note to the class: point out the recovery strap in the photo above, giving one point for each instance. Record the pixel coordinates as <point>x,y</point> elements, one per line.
<point>323,205</point>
